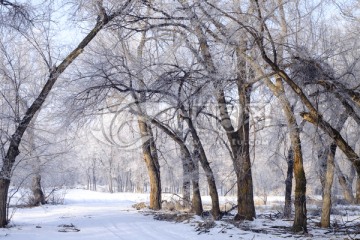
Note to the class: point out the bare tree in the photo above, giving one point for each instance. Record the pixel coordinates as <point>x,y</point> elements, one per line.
<point>12,148</point>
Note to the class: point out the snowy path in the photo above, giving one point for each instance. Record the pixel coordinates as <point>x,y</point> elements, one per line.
<point>97,216</point>
<point>104,216</point>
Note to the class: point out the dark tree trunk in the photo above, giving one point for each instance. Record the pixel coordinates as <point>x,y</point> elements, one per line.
<point>288,183</point>
<point>4,188</point>
<point>192,162</point>
<point>300,220</point>
<point>240,156</point>
<point>200,152</point>
<point>245,195</point>
<point>15,140</point>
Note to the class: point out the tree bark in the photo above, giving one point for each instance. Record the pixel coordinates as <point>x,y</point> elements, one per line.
<point>193,166</point>
<point>186,181</point>
<point>4,188</point>
<point>288,183</point>
<point>238,141</point>
<point>300,220</point>
<point>345,185</point>
<point>357,200</point>
<point>196,199</point>
<point>200,152</point>
<point>152,163</point>
<point>186,166</point>
<point>329,176</point>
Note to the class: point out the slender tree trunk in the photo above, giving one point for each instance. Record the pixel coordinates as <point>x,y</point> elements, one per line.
<point>323,160</point>
<point>200,152</point>
<point>288,183</point>
<point>38,194</point>
<point>55,72</point>
<point>186,166</point>
<point>300,219</point>
<point>152,163</point>
<point>346,187</point>
<point>196,198</point>
<point>241,158</point>
<point>193,166</point>
<point>329,176</point>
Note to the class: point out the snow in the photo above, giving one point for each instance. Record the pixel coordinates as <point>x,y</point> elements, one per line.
<point>97,215</point>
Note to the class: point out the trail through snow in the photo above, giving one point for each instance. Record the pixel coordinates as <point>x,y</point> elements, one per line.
<point>100,216</point>
<point>104,216</point>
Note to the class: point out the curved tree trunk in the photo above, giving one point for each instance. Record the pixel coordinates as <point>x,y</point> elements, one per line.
<point>15,140</point>
<point>152,163</point>
<point>327,178</point>
<point>300,219</point>
<point>238,141</point>
<point>200,154</point>
<point>193,166</point>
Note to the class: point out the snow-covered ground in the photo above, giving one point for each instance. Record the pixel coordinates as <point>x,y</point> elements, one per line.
<point>95,215</point>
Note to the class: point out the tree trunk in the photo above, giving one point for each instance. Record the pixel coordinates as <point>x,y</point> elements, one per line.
<point>186,181</point>
<point>196,198</point>
<point>200,152</point>
<point>245,192</point>
<point>357,200</point>
<point>329,176</point>
<point>55,72</point>
<point>38,194</point>
<point>193,167</point>
<point>152,163</point>
<point>288,183</point>
<point>241,158</point>
<point>4,187</point>
<point>300,220</point>
<point>323,161</point>
<point>346,187</point>
<point>186,161</point>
